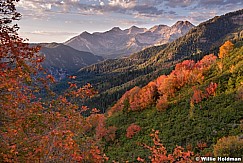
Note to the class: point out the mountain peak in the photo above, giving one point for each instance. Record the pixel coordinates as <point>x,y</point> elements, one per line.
<point>135,30</point>
<point>133,27</point>
<point>85,33</point>
<point>182,23</point>
<point>157,28</point>
<point>116,29</point>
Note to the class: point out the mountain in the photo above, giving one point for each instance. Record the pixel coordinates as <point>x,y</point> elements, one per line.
<point>117,43</point>
<point>113,77</point>
<point>61,59</point>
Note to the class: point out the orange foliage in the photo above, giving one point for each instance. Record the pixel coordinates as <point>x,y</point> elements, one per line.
<point>183,73</point>
<point>102,132</point>
<point>120,103</point>
<point>34,130</point>
<point>206,62</point>
<point>197,95</point>
<point>132,130</point>
<point>231,146</point>
<point>225,49</point>
<point>211,89</point>
<point>187,72</point>
<point>159,153</point>
<point>201,145</point>
<point>162,103</point>
<point>144,97</point>
<point>138,98</point>
<point>160,80</point>
<point>165,86</point>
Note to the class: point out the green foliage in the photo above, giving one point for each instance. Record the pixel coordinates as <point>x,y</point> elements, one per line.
<point>211,119</point>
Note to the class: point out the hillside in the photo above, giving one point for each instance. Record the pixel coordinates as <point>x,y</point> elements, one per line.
<point>117,43</point>
<point>61,60</point>
<point>202,103</point>
<point>180,102</point>
<point>144,66</point>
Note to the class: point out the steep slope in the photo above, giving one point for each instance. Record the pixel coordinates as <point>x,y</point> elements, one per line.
<point>199,112</point>
<point>113,77</point>
<point>61,59</point>
<point>116,42</point>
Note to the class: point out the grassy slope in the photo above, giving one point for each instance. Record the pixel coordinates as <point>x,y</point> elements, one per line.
<point>212,119</point>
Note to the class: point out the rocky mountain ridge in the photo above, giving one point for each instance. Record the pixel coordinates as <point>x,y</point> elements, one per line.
<point>117,43</point>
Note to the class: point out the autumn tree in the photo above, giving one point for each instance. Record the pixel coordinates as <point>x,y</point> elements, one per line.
<point>162,103</point>
<point>211,89</point>
<point>33,129</point>
<point>132,130</point>
<point>225,49</point>
<point>108,133</point>
<point>144,97</point>
<point>159,152</point>
<point>127,98</point>
<point>183,73</point>
<point>197,96</point>
<point>231,146</point>
<point>205,63</point>
<point>159,91</point>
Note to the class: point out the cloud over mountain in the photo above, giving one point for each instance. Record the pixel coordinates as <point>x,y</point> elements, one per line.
<point>104,14</point>
<point>130,7</point>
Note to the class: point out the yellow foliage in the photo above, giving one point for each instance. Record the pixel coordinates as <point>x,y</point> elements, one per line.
<point>225,49</point>
<point>231,146</point>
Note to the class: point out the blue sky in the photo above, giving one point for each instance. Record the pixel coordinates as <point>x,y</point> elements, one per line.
<point>59,20</point>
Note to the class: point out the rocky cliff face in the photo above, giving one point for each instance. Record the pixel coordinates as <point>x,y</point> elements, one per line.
<point>117,43</point>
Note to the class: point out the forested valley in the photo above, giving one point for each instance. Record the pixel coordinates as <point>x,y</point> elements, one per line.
<point>171,103</point>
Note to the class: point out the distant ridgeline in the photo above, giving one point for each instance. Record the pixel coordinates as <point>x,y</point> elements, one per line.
<point>117,43</point>
<point>62,60</point>
<point>113,77</point>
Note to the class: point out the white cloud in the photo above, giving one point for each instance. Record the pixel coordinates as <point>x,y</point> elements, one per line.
<point>46,6</point>
<point>123,3</point>
<point>135,8</point>
<point>49,33</point>
<point>102,3</point>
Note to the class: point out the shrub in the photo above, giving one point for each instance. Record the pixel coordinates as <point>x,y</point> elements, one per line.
<point>231,146</point>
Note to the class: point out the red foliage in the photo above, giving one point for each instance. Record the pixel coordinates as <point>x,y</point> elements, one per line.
<point>132,130</point>
<point>165,86</point>
<point>34,130</point>
<point>144,97</point>
<point>159,153</point>
<point>109,134</point>
<point>162,103</point>
<point>206,62</point>
<point>211,89</point>
<point>187,72</point>
<point>201,145</point>
<point>120,103</point>
<point>197,95</point>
